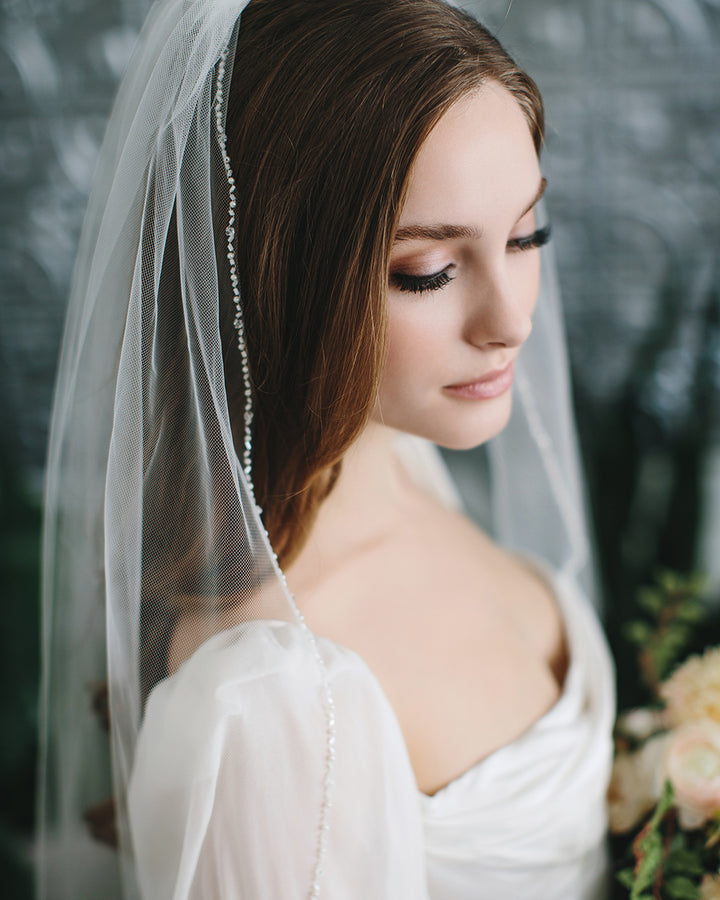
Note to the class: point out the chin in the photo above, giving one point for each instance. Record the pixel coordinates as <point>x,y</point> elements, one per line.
<point>465,428</point>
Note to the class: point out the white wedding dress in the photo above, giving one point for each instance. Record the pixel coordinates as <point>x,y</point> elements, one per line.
<point>222,788</point>
<point>227,780</point>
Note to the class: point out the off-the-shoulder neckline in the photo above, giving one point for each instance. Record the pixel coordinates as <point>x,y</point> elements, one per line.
<point>555,582</point>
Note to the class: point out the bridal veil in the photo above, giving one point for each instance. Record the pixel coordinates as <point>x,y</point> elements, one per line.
<point>149,511</point>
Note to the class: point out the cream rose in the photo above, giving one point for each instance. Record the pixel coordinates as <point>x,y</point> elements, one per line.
<point>693,690</point>
<point>691,762</point>
<point>710,887</point>
<point>641,723</point>
<point>634,785</point>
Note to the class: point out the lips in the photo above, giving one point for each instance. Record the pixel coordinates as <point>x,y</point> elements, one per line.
<point>486,387</point>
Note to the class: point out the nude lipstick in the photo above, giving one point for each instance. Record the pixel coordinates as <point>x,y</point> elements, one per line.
<point>491,385</point>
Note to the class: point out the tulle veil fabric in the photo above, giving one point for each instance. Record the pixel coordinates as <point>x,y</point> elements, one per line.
<point>148,512</point>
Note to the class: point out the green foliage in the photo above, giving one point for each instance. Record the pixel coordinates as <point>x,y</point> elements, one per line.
<point>664,861</point>
<point>672,610</point>
<point>680,888</point>
<point>682,861</point>
<point>648,847</point>
<point>668,863</point>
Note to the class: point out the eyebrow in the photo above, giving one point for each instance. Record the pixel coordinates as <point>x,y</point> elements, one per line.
<point>435,232</point>
<point>450,232</point>
<point>535,199</point>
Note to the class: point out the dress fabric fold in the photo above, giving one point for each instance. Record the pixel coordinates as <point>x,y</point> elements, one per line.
<point>529,821</point>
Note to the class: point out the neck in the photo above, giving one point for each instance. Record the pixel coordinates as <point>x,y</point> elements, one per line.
<point>371,483</point>
<point>371,464</point>
<point>362,508</point>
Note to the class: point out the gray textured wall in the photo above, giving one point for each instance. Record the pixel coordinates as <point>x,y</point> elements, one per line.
<point>60,61</point>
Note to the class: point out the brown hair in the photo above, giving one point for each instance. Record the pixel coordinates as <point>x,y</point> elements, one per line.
<point>330,103</point>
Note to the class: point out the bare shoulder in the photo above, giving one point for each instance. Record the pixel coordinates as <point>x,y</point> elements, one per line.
<point>448,622</point>
<point>434,561</point>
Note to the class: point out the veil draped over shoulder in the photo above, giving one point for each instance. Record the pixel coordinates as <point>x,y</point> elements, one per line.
<point>149,514</point>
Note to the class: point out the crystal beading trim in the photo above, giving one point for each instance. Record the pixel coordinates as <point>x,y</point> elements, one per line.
<point>328,698</point>
<point>239,323</point>
<point>330,740</point>
<point>330,755</point>
<point>573,524</point>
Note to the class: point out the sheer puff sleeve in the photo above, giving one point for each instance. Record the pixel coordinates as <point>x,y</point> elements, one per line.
<point>226,793</point>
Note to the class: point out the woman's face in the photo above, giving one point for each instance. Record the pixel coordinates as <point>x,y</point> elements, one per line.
<point>464,273</point>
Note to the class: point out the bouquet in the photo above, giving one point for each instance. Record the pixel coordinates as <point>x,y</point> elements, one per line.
<point>664,797</point>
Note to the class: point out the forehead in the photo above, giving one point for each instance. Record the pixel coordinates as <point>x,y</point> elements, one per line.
<point>478,162</point>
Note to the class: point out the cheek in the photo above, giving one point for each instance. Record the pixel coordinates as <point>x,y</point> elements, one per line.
<point>412,346</point>
<point>530,282</point>
<point>417,341</point>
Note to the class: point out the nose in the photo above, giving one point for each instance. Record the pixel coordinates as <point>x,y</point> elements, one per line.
<point>499,312</point>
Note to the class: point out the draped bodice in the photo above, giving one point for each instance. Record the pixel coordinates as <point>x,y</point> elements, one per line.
<point>225,783</point>
<point>529,820</point>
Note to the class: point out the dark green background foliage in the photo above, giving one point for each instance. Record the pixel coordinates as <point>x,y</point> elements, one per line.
<point>19,557</point>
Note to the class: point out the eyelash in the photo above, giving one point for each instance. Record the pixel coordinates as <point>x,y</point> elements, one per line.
<point>421,284</point>
<point>538,238</point>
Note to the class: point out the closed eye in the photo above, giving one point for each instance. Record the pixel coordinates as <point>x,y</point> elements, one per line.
<point>538,238</point>
<point>420,284</point>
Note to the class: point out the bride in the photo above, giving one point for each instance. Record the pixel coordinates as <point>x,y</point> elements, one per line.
<point>311,257</point>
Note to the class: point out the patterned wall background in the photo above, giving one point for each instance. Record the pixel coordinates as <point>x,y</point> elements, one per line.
<point>632,89</point>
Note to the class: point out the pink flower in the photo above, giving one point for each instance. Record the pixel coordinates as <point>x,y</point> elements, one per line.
<point>691,762</point>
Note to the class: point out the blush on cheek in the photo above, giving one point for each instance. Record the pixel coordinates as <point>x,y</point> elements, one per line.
<point>528,280</point>
<point>413,348</point>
